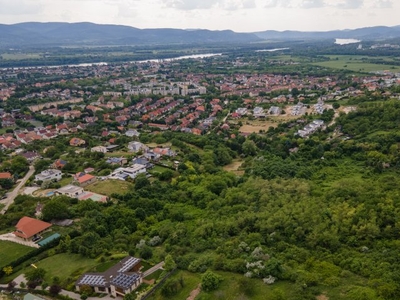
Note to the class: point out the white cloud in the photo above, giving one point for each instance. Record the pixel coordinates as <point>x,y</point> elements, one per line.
<point>383,4</point>
<point>312,4</point>
<point>20,7</point>
<point>350,4</point>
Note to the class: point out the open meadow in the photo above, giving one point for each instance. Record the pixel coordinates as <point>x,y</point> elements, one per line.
<point>355,63</point>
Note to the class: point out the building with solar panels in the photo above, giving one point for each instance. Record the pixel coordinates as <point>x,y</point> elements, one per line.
<point>120,279</point>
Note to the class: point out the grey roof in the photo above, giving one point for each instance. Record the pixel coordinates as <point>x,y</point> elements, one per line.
<point>93,280</point>
<point>124,280</point>
<point>120,275</point>
<point>127,265</point>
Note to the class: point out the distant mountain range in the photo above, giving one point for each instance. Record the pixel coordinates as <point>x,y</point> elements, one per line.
<point>33,33</point>
<point>366,33</point>
<point>58,33</point>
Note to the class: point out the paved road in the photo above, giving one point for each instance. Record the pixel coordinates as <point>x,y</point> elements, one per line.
<point>11,196</point>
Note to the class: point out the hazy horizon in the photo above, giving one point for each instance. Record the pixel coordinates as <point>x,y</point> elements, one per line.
<point>191,29</point>
<point>236,15</point>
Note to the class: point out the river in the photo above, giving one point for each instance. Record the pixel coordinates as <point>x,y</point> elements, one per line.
<point>346,41</point>
<point>272,50</point>
<point>105,64</point>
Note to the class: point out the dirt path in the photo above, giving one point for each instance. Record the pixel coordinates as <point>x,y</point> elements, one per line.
<point>194,293</point>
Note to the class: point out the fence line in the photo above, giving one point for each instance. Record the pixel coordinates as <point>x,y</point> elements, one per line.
<point>152,291</point>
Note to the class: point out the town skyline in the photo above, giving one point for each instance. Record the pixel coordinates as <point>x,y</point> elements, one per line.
<point>236,15</point>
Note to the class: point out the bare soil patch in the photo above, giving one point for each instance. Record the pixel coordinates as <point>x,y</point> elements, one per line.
<point>194,293</point>
<point>322,297</point>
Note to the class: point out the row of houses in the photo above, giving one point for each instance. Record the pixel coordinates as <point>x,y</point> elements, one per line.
<point>310,128</point>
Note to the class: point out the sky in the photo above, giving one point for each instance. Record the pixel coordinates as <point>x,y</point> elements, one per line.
<point>237,15</point>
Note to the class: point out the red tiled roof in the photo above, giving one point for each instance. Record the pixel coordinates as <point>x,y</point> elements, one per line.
<point>85,178</point>
<point>5,175</point>
<point>28,227</point>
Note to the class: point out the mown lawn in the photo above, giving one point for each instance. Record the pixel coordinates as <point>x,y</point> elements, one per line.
<point>65,265</point>
<point>10,251</point>
<point>108,187</point>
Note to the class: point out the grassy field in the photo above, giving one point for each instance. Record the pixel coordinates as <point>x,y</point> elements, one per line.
<point>11,251</point>
<point>65,265</point>
<point>66,181</point>
<point>108,187</point>
<point>355,63</point>
<point>234,167</point>
<point>18,56</point>
<point>119,154</point>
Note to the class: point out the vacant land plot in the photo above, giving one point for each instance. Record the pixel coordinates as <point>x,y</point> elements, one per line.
<point>250,126</point>
<point>108,187</point>
<point>10,251</point>
<point>355,63</point>
<point>119,154</point>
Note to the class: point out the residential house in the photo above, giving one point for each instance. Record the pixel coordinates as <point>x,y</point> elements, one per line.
<point>101,149</point>
<point>70,190</point>
<point>121,279</point>
<point>137,147</point>
<point>76,142</point>
<point>86,179</point>
<point>258,112</point>
<point>49,175</point>
<point>132,133</point>
<point>59,164</point>
<point>150,155</point>
<point>28,228</point>
<point>6,175</point>
<point>117,161</point>
<point>164,151</point>
<point>131,172</point>
<point>274,110</point>
<point>31,156</point>
<point>142,161</point>
<point>241,111</point>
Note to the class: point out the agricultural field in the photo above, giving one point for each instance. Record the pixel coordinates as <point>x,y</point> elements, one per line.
<point>355,63</point>
<point>19,56</point>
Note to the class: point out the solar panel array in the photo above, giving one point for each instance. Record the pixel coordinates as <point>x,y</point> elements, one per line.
<point>128,264</point>
<point>93,280</point>
<point>125,281</point>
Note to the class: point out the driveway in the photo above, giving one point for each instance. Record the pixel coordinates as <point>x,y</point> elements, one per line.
<point>12,195</point>
<point>12,238</point>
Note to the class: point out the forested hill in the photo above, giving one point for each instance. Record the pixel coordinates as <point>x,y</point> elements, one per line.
<point>318,215</point>
<point>367,33</point>
<point>58,33</point>
<point>85,33</point>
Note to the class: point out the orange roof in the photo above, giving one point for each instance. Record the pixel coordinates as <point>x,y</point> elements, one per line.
<point>28,227</point>
<point>85,178</point>
<point>5,175</point>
